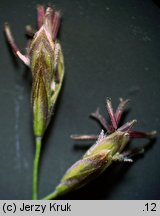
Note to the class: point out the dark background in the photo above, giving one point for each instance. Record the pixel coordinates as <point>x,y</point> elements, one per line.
<point>111,49</point>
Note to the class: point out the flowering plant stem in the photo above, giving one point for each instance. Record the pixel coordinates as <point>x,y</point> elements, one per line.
<point>36,168</point>
<point>50,196</point>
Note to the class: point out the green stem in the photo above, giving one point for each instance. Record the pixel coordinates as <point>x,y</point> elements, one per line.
<point>50,196</point>
<point>35,168</point>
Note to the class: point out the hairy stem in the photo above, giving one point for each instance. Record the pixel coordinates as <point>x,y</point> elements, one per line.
<point>35,168</point>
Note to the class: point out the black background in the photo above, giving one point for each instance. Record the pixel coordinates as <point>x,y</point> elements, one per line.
<point>111,49</point>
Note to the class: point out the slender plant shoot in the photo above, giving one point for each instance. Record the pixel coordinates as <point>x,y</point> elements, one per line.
<point>45,58</point>
<point>107,149</point>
